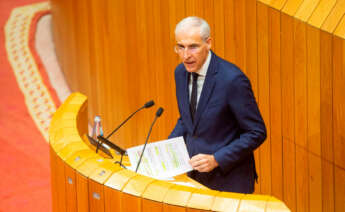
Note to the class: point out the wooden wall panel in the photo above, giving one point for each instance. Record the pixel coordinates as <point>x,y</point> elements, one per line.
<point>112,199</point>
<point>315,187</point>
<point>326,96</point>
<point>60,182</point>
<point>339,189</point>
<point>289,174</point>
<point>120,54</point>
<point>302,179</point>
<point>82,193</point>
<point>339,101</point>
<point>151,206</point>
<point>263,96</point>
<point>96,196</point>
<point>130,203</point>
<point>71,189</point>
<point>287,83</point>
<point>276,103</point>
<point>300,89</point>
<point>313,72</point>
<point>328,185</point>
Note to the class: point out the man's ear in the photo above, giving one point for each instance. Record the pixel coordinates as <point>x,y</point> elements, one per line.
<point>209,43</point>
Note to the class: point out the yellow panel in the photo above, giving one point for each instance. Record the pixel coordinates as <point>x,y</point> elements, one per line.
<point>67,115</point>
<point>137,185</point>
<point>267,2</point>
<point>64,133</point>
<point>79,158</point>
<point>119,179</point>
<point>277,4</point>
<point>104,170</point>
<point>157,190</point>
<point>291,7</point>
<point>253,203</point>
<point>340,30</point>
<point>71,148</point>
<point>275,205</point>
<point>89,166</point>
<point>61,143</point>
<point>178,195</point>
<point>202,199</point>
<point>321,12</point>
<point>64,124</point>
<point>334,17</point>
<point>226,201</point>
<point>77,98</point>
<point>185,179</point>
<point>306,9</point>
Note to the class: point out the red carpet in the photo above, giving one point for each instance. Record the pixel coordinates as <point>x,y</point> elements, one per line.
<point>24,153</point>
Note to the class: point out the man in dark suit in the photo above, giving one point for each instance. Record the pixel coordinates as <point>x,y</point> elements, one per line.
<point>219,118</point>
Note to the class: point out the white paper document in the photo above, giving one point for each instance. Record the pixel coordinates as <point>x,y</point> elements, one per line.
<point>162,159</point>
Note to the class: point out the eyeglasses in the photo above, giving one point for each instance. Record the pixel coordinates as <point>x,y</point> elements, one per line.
<point>180,49</point>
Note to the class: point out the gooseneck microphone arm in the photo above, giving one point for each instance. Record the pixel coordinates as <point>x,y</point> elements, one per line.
<point>158,114</point>
<point>147,105</point>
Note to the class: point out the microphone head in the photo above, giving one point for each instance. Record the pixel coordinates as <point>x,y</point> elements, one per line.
<point>159,112</point>
<point>149,104</point>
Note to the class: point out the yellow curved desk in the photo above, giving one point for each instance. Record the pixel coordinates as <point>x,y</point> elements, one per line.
<point>85,181</point>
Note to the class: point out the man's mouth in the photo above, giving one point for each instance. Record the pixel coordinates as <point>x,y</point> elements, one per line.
<point>189,62</point>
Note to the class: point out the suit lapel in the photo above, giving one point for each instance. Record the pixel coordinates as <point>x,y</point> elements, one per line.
<point>185,101</point>
<point>207,90</point>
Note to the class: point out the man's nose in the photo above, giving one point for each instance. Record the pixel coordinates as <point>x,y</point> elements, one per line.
<point>186,54</point>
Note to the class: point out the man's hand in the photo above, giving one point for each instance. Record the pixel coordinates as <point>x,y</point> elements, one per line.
<point>203,162</point>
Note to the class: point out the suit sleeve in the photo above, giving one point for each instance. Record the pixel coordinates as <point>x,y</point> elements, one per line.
<point>179,129</point>
<point>253,131</point>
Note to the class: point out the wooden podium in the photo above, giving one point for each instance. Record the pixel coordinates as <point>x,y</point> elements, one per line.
<point>85,181</point>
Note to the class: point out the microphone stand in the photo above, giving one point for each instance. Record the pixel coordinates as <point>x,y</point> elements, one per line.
<point>115,147</point>
<point>158,114</point>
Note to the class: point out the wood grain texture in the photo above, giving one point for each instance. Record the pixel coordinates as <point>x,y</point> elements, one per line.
<point>96,196</point>
<point>112,199</point>
<point>276,103</point>
<point>71,189</point>
<point>151,206</point>
<point>120,54</point>
<point>313,84</point>
<point>82,193</point>
<point>263,96</point>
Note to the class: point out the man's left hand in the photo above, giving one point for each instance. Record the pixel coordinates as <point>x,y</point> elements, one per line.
<point>203,162</point>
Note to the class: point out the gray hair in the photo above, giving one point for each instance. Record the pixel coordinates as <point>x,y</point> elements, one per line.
<point>193,21</point>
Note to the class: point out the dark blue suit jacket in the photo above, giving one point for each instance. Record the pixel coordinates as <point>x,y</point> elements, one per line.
<point>227,124</point>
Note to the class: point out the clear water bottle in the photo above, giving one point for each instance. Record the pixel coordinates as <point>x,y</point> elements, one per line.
<point>97,128</point>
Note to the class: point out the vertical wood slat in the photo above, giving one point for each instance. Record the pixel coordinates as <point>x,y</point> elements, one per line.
<point>71,189</point>
<point>338,101</point>
<point>287,83</point>
<point>96,196</point>
<point>263,96</point>
<point>313,72</point>
<point>287,63</point>
<point>302,179</point>
<point>276,102</point>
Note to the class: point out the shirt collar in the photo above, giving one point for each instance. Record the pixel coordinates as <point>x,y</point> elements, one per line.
<point>204,67</point>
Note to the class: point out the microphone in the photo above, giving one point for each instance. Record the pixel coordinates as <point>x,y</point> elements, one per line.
<point>146,105</point>
<point>158,114</point>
